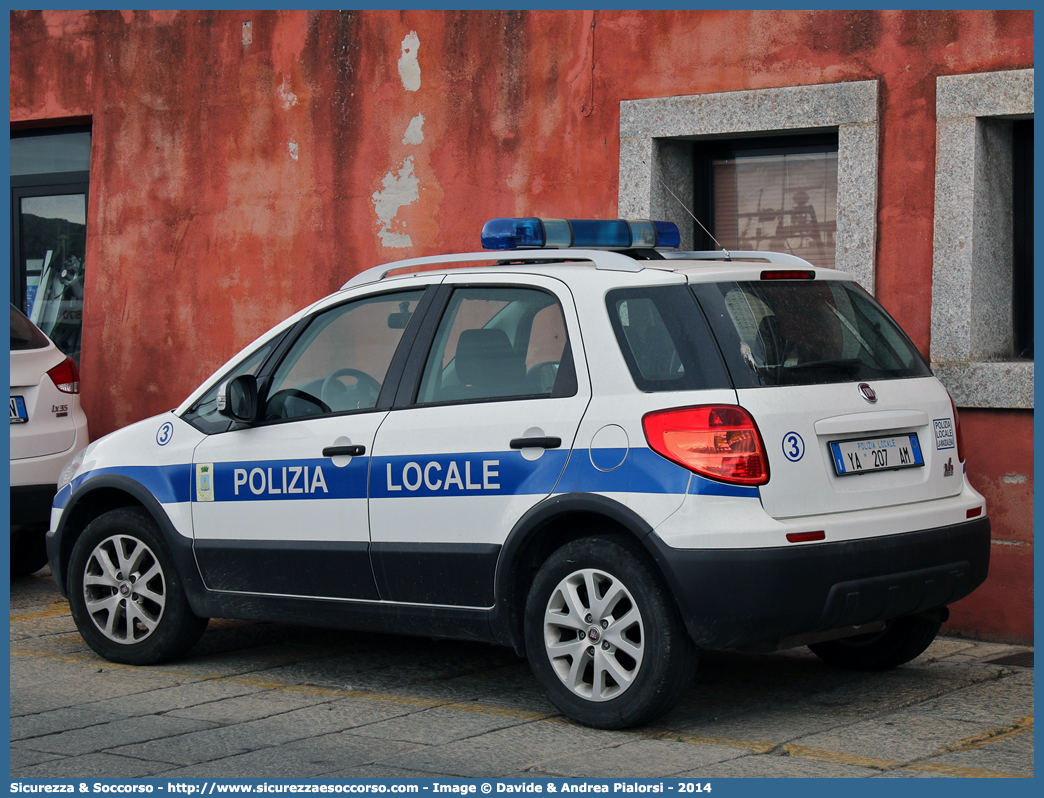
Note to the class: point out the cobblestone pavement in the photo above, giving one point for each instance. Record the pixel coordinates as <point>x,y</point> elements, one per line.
<point>271,700</point>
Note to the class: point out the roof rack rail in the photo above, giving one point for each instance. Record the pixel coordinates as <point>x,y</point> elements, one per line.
<point>601,259</point>
<point>782,258</point>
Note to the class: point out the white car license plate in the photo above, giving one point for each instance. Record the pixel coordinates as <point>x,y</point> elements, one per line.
<point>19,415</point>
<point>876,454</point>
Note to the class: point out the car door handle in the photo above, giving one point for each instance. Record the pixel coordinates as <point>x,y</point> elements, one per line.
<point>536,443</point>
<point>344,451</point>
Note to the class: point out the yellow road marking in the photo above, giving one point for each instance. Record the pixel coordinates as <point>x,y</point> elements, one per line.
<point>1021,726</point>
<point>961,773</point>
<point>823,755</point>
<point>56,608</point>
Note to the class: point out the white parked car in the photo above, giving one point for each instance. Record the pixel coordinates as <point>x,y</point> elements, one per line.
<point>603,453</point>
<point>48,427</point>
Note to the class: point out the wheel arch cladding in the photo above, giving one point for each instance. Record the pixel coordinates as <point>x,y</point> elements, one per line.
<point>110,492</point>
<point>545,528</point>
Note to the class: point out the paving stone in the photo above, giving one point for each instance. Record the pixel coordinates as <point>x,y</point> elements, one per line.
<point>754,766</point>
<point>437,726</point>
<point>45,723</point>
<point>316,757</point>
<point>903,773</point>
<point>23,758</point>
<point>998,701</point>
<point>1007,754</point>
<point>376,772</point>
<point>508,750</point>
<point>125,731</point>
<point>180,696</point>
<point>901,737</point>
<point>251,706</point>
<point>766,725</point>
<point>92,766</point>
<point>638,759</point>
<point>246,737</point>
<point>87,688</point>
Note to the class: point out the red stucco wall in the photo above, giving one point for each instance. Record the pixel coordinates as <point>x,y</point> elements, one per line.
<point>233,182</point>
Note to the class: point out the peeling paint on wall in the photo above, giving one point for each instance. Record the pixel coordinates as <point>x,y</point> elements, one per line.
<point>399,188</point>
<point>409,68</point>
<point>414,134</point>
<point>286,97</point>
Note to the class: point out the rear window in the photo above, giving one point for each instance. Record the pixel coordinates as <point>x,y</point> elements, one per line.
<point>24,334</point>
<point>800,332</point>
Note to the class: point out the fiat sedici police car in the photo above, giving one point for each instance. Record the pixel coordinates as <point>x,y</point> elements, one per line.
<point>582,444</point>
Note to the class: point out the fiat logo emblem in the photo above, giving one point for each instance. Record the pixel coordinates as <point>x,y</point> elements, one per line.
<point>867,392</point>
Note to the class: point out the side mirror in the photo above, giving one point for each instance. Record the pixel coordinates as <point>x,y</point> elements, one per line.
<point>237,398</point>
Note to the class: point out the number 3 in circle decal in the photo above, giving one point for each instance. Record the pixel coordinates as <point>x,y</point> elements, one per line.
<point>793,447</point>
<point>166,432</point>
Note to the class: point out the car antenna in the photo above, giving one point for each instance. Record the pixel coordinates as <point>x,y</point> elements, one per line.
<point>728,255</point>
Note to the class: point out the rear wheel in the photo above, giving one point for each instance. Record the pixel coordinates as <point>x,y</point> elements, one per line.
<point>125,593</point>
<point>901,641</point>
<point>603,636</point>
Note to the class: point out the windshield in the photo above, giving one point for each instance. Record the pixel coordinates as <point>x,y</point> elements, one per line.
<point>803,332</point>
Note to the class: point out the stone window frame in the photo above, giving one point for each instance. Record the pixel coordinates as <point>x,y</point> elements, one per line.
<point>654,146</point>
<point>971,332</point>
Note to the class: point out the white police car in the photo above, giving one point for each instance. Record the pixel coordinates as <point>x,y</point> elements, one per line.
<point>602,453</point>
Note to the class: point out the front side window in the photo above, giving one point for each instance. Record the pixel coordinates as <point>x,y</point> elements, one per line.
<point>498,343</point>
<point>339,362</point>
<point>795,332</point>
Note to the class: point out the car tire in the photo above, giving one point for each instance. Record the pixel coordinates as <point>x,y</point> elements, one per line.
<point>902,640</point>
<point>28,549</point>
<point>125,593</point>
<point>604,637</point>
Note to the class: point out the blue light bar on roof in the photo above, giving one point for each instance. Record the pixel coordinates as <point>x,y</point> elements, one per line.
<point>530,232</point>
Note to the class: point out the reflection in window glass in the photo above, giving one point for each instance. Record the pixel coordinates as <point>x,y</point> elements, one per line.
<point>785,202</point>
<point>495,343</point>
<point>340,361</point>
<point>53,246</point>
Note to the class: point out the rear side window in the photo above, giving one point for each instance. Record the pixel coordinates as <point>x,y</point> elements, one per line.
<point>800,332</point>
<point>24,334</point>
<point>665,340</point>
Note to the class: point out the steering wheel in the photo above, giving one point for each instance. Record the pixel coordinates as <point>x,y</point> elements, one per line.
<point>293,403</point>
<point>363,383</point>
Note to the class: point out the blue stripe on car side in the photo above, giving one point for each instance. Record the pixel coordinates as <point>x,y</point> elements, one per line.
<point>465,474</point>
<point>170,484</point>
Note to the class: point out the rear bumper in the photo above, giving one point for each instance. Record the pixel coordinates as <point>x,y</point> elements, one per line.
<point>31,504</point>
<point>732,598</point>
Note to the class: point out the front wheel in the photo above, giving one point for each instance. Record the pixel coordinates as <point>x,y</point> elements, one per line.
<point>604,637</point>
<point>125,593</point>
<point>899,642</point>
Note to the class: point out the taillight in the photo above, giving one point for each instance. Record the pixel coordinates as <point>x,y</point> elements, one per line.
<point>65,376</point>
<point>957,431</point>
<point>720,442</point>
